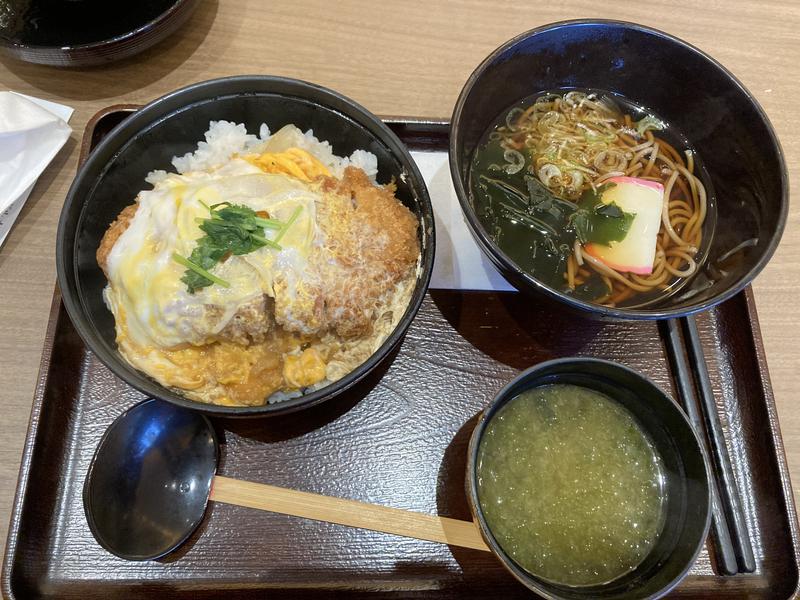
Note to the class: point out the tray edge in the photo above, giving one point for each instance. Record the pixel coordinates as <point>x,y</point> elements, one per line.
<point>42,380</point>
<point>31,435</point>
<point>775,431</point>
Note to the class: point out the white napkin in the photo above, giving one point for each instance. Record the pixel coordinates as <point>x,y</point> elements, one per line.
<point>459,264</point>
<point>32,131</point>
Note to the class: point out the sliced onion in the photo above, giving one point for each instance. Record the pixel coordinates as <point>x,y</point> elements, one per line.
<point>574,98</point>
<point>576,180</point>
<point>548,172</point>
<point>515,161</point>
<point>577,251</point>
<point>604,166</point>
<point>512,117</point>
<point>548,119</point>
<point>737,248</point>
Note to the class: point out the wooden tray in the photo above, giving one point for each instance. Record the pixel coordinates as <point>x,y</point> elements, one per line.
<point>399,439</point>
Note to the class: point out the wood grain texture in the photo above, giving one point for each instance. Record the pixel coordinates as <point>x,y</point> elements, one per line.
<point>363,515</point>
<point>395,59</point>
<point>398,438</point>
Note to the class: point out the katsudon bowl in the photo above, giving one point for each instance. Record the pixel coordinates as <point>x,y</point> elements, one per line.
<point>171,126</point>
<point>692,102</point>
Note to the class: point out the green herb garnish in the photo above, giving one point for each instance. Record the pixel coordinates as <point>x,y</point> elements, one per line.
<point>232,229</point>
<point>649,122</point>
<point>268,223</point>
<point>289,223</point>
<point>199,270</point>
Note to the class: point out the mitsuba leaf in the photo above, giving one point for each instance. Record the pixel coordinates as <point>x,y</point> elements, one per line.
<point>231,229</point>
<point>205,256</point>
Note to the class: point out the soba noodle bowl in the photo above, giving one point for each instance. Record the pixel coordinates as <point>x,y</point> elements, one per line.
<point>572,146</point>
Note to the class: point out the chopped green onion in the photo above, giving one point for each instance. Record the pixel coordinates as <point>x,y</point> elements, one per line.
<point>199,270</point>
<point>649,122</point>
<point>289,223</point>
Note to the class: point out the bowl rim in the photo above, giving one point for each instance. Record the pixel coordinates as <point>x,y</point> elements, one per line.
<point>142,119</point>
<point>167,14</point>
<point>501,398</point>
<point>504,263</point>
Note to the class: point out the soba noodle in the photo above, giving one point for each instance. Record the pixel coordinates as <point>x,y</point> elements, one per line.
<point>576,142</point>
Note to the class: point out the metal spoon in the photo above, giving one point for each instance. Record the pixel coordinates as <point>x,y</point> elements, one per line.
<point>155,470</point>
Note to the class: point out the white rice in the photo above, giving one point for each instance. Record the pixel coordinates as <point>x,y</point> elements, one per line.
<point>224,139</point>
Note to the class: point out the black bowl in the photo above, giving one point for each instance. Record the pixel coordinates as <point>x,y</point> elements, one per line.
<point>172,126</point>
<point>688,510</point>
<point>682,85</point>
<point>81,33</point>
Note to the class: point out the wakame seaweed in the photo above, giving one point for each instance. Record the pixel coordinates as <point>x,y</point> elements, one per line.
<point>536,228</point>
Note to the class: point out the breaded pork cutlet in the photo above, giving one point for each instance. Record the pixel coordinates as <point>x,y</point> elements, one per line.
<point>112,234</point>
<point>370,246</point>
<point>251,323</point>
<point>373,239</point>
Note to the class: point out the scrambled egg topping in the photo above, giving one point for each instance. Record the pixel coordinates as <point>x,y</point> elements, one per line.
<point>294,162</point>
<point>285,323</point>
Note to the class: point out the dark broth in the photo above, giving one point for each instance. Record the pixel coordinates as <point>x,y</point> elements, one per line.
<point>541,244</point>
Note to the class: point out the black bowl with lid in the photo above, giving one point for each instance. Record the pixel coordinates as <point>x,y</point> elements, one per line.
<point>687,88</point>
<point>685,470</point>
<point>171,126</point>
